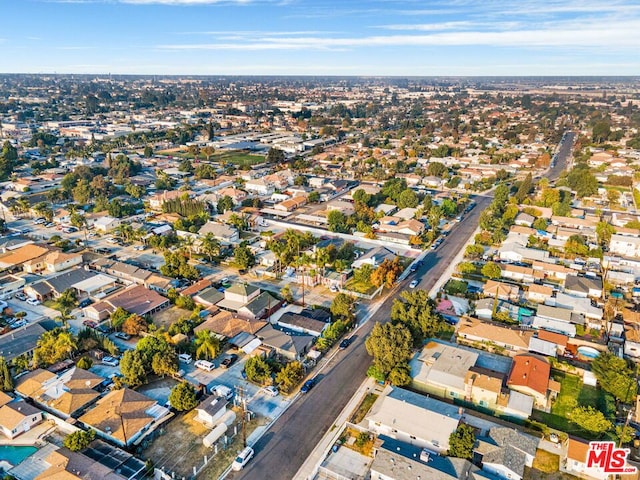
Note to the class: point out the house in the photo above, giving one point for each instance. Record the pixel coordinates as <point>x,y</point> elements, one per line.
<point>505,452</point>
<point>530,376</point>
<point>539,293</point>
<point>197,287</point>
<point>525,219</point>
<point>574,460</point>
<point>107,224</point>
<point>10,284</point>
<point>291,204</point>
<point>18,417</point>
<point>394,460</point>
<point>124,416</point>
<point>229,325</point>
<point>208,297</point>
<point>237,296</point>
<point>65,394</point>
<point>517,273</point>
<point>624,245</point>
<point>83,282</point>
<point>67,465</point>
<point>485,310</point>
<point>156,201</point>
<point>53,262</point>
<point>260,186</point>
<point>260,306</point>
<point>414,419</point>
<point>301,323</point>
<point>476,331</point>
<point>210,410</point>
<point>221,232</point>
<point>374,257</point>
<point>503,291</point>
<point>21,341</point>
<point>583,286</point>
<point>441,369</point>
<point>136,299</point>
<point>285,343</point>
<point>16,258</point>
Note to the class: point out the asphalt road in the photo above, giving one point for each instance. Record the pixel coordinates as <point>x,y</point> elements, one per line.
<point>283,449</point>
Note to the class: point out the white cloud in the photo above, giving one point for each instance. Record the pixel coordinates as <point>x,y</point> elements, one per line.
<point>625,35</point>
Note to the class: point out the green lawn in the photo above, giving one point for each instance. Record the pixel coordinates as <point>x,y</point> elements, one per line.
<point>360,287</point>
<point>573,394</point>
<point>237,157</point>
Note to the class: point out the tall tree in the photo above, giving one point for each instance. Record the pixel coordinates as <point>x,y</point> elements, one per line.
<point>6,380</point>
<point>389,345</point>
<point>461,442</point>
<point>207,345</point>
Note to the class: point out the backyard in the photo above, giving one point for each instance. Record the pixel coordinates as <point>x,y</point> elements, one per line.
<point>573,393</point>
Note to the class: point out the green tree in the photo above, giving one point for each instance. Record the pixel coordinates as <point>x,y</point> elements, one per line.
<point>148,151</point>
<point>85,363</point>
<point>290,376</point>
<point>576,245</point>
<point>54,346</point>
<point>275,155</point>
<point>466,268</point>
<point>601,131</point>
<point>604,230</point>
<point>118,317</point>
<point>133,368</point>
<point>437,169</point>
<point>210,246</point>
<point>67,301</point>
<point>416,311</point>
<point>540,224</point>
<point>400,375</point>
<point>389,345</point>
<point>615,376</point>
<point>183,397</point>
<point>337,222</point>
<point>244,257</point>
<point>258,370</point>
<point>287,294</point>
<point>625,433</point>
<point>491,270</point>
<point>79,440</point>
<point>590,419</point>
<point>165,363</point>
<point>407,198</point>
<point>313,197</point>
<point>461,442</point>
<point>474,251</point>
<point>343,308</point>
<point>208,346</point>
<point>6,380</point>
<point>224,203</point>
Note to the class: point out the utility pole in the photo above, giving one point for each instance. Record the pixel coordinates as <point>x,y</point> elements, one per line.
<point>243,403</point>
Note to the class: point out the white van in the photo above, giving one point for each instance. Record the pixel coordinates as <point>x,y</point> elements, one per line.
<point>185,358</point>
<point>204,365</point>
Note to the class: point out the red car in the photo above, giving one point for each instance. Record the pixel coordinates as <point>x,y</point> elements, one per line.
<point>90,323</point>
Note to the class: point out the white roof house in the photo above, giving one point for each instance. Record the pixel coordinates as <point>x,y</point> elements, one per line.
<point>414,419</point>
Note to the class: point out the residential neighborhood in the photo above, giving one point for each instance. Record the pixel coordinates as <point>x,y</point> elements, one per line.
<point>386,277</point>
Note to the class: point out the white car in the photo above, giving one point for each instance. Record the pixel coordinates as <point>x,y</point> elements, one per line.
<point>33,301</point>
<point>242,459</point>
<point>414,284</point>
<point>113,362</point>
<point>271,390</point>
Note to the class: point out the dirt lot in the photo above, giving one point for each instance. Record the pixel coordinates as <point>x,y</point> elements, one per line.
<point>171,315</point>
<point>179,448</point>
<point>545,467</point>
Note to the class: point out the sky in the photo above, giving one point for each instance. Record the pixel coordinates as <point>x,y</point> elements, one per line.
<point>321,37</point>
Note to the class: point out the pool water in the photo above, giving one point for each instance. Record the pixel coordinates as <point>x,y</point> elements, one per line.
<point>15,455</point>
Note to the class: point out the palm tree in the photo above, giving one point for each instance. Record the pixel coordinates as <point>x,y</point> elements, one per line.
<point>187,242</point>
<point>207,346</point>
<point>66,342</point>
<point>210,246</point>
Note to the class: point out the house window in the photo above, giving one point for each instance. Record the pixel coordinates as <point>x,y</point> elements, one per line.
<point>34,419</point>
<point>412,437</point>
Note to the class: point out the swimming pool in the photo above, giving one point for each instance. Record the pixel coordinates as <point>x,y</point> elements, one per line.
<point>588,352</point>
<point>15,455</point>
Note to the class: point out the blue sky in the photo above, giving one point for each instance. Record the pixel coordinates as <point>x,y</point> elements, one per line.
<point>322,37</point>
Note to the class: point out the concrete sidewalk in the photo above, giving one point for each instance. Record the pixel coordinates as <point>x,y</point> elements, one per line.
<point>309,468</point>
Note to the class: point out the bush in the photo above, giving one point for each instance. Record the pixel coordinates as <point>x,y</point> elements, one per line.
<point>183,396</point>
<point>85,363</point>
<point>79,440</point>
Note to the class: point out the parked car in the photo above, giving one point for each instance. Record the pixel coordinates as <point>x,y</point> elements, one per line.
<point>242,459</point>
<point>112,362</point>
<point>90,324</point>
<point>308,385</point>
<point>230,360</point>
<point>103,329</point>
<point>333,288</point>
<point>225,282</point>
<point>139,247</point>
<point>85,303</point>
<point>271,390</point>
<point>33,301</point>
<point>21,296</point>
<point>50,225</point>
<point>345,343</point>
<point>122,336</point>
<point>39,221</point>
<point>414,284</point>
<point>185,358</point>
